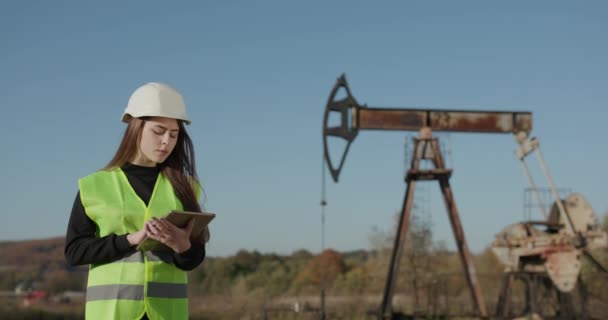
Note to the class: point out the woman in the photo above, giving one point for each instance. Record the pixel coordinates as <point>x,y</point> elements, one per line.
<point>118,207</point>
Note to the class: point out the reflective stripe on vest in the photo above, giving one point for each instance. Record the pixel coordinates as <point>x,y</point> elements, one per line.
<point>141,282</point>
<point>136,292</point>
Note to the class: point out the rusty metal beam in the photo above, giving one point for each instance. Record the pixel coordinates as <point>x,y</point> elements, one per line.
<point>441,120</point>
<point>353,117</point>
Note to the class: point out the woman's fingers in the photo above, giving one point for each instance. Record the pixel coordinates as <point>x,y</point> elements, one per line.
<point>160,225</point>
<point>154,230</point>
<point>164,231</point>
<point>166,225</point>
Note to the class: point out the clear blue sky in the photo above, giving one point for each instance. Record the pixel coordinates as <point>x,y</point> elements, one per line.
<point>256,76</point>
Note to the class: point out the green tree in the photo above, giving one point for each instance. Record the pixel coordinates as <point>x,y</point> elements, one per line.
<point>355,281</point>
<point>245,262</point>
<point>272,277</point>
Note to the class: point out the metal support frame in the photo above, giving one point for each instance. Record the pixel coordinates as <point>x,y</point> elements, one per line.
<point>427,148</point>
<point>527,146</point>
<point>541,298</point>
<point>354,117</point>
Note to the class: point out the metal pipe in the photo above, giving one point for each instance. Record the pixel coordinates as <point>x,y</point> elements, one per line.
<point>558,200</point>
<point>534,189</point>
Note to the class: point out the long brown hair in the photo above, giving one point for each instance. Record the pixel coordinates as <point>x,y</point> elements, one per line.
<point>179,167</point>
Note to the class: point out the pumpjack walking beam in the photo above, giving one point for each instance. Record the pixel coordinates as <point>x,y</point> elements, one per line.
<point>355,117</point>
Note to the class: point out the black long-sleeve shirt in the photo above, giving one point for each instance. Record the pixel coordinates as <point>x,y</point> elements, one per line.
<point>82,246</point>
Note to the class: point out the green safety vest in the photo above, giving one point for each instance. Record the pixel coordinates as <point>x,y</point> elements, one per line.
<point>142,282</point>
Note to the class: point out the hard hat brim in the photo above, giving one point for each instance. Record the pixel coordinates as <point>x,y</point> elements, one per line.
<point>127,117</point>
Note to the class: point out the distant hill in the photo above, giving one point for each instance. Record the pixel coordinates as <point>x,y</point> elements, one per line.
<point>38,264</point>
<point>33,254</point>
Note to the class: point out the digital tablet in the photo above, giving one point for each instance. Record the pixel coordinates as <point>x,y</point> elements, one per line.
<point>180,219</point>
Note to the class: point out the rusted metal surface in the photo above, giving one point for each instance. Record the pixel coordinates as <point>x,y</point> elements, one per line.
<point>390,119</point>
<point>541,299</point>
<point>354,117</point>
<point>558,249</point>
<point>428,148</point>
<point>481,121</point>
<point>386,308</point>
<point>563,268</point>
<point>580,213</point>
<point>428,174</point>
<point>463,248</point>
<point>345,130</point>
<point>441,120</point>
<point>522,247</point>
<point>502,307</point>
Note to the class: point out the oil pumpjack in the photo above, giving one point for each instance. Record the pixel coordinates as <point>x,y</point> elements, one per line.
<point>355,117</point>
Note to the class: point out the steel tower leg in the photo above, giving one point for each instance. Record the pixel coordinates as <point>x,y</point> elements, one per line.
<point>427,147</point>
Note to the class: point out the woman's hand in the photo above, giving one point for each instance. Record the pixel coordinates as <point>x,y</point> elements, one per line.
<point>168,234</point>
<point>137,237</point>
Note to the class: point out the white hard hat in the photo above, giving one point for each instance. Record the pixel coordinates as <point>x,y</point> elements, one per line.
<point>156,100</point>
